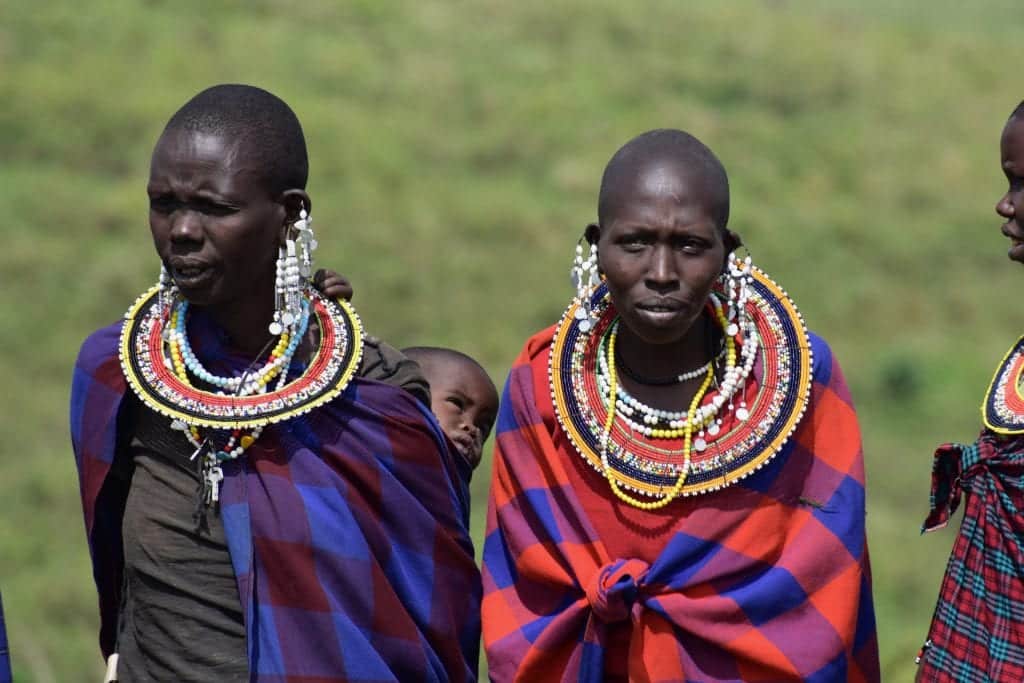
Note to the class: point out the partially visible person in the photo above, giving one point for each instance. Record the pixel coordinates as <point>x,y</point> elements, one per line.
<point>265,492</point>
<point>462,397</point>
<point>977,631</point>
<point>5,655</point>
<point>678,486</point>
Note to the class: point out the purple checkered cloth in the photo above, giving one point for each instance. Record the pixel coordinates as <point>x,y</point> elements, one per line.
<point>347,530</point>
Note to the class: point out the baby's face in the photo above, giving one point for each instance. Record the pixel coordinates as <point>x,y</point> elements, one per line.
<point>465,402</point>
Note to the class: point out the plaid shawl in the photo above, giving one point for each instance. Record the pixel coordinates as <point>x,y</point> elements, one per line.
<point>767,580</point>
<point>977,632</point>
<point>347,530</point>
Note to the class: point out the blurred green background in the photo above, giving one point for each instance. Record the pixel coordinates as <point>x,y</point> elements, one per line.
<point>456,150</point>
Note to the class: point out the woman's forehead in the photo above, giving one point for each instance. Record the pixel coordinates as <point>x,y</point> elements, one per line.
<point>205,158</point>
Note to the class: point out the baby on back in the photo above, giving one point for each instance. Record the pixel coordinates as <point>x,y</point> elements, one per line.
<point>462,396</point>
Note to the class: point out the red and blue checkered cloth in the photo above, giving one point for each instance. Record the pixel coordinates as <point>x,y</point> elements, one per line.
<point>347,530</point>
<point>764,581</point>
<point>977,632</point>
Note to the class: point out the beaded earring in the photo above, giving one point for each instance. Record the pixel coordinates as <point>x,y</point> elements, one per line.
<point>736,285</point>
<point>307,243</point>
<point>294,263</point>
<point>736,281</point>
<point>167,289</point>
<point>585,279</point>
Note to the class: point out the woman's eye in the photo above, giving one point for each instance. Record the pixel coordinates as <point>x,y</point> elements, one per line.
<point>691,246</point>
<point>215,209</point>
<point>633,243</point>
<point>161,204</point>
<point>455,401</point>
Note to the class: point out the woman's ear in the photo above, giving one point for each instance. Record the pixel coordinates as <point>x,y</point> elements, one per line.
<point>592,233</point>
<point>732,241</point>
<point>294,201</point>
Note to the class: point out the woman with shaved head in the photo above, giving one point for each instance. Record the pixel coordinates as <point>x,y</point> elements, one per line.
<point>266,496</point>
<point>678,486</point>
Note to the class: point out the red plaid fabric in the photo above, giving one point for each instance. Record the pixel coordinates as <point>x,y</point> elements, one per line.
<point>977,632</point>
<point>764,581</point>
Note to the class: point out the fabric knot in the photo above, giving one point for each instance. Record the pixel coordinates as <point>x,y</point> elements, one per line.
<point>953,466</point>
<point>614,589</point>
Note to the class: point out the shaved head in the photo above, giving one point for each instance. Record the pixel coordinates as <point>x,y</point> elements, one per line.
<point>1016,113</point>
<point>427,355</point>
<point>256,121</point>
<point>667,152</point>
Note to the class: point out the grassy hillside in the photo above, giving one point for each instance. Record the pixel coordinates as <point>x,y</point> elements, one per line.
<point>456,150</point>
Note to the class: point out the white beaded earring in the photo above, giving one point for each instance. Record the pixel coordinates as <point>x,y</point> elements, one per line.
<point>585,279</point>
<point>306,242</point>
<point>294,263</point>
<point>165,297</point>
<point>736,284</point>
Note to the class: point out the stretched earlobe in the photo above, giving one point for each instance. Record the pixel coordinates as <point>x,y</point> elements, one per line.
<point>592,233</point>
<point>294,203</point>
<point>732,241</point>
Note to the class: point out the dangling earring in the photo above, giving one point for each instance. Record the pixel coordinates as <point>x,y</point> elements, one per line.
<point>165,296</point>
<point>291,271</point>
<point>585,280</point>
<point>736,284</point>
<point>307,243</point>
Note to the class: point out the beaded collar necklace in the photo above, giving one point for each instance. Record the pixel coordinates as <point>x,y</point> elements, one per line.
<point>160,366</point>
<point>1003,408</point>
<point>729,432</point>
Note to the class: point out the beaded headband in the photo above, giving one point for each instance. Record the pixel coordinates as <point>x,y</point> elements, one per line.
<point>1003,408</point>
<point>776,396</point>
<point>151,377</point>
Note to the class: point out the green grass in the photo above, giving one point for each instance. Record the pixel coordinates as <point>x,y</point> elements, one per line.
<point>456,150</point>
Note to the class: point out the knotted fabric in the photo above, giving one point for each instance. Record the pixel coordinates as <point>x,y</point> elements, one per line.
<point>614,590</point>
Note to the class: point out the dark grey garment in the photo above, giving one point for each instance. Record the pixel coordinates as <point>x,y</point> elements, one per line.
<point>181,617</point>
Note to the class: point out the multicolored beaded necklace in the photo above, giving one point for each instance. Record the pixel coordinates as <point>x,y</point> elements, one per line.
<point>1003,407</point>
<point>736,423</point>
<point>160,367</point>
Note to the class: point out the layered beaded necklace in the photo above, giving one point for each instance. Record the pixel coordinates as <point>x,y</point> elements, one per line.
<point>742,414</point>
<point>162,370</point>
<point>1003,407</point>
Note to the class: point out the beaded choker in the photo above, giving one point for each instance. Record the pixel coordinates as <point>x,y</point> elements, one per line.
<point>1003,408</point>
<point>662,381</point>
<point>159,366</point>
<point>733,427</point>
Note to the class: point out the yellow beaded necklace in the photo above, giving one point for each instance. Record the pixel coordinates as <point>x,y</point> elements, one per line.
<point>691,419</point>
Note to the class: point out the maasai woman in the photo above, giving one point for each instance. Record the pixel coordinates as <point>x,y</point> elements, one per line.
<point>259,506</point>
<point>678,487</point>
<point>977,632</point>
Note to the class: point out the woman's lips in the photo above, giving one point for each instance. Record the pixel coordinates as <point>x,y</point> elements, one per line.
<point>662,311</point>
<point>191,274</point>
<point>1016,251</point>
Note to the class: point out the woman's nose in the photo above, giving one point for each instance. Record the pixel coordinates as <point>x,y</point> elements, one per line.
<point>662,271</point>
<point>186,225</point>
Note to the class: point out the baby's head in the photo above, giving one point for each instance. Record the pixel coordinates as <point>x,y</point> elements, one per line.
<point>462,396</point>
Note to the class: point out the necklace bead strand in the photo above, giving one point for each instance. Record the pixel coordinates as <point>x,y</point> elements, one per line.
<point>668,497</point>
